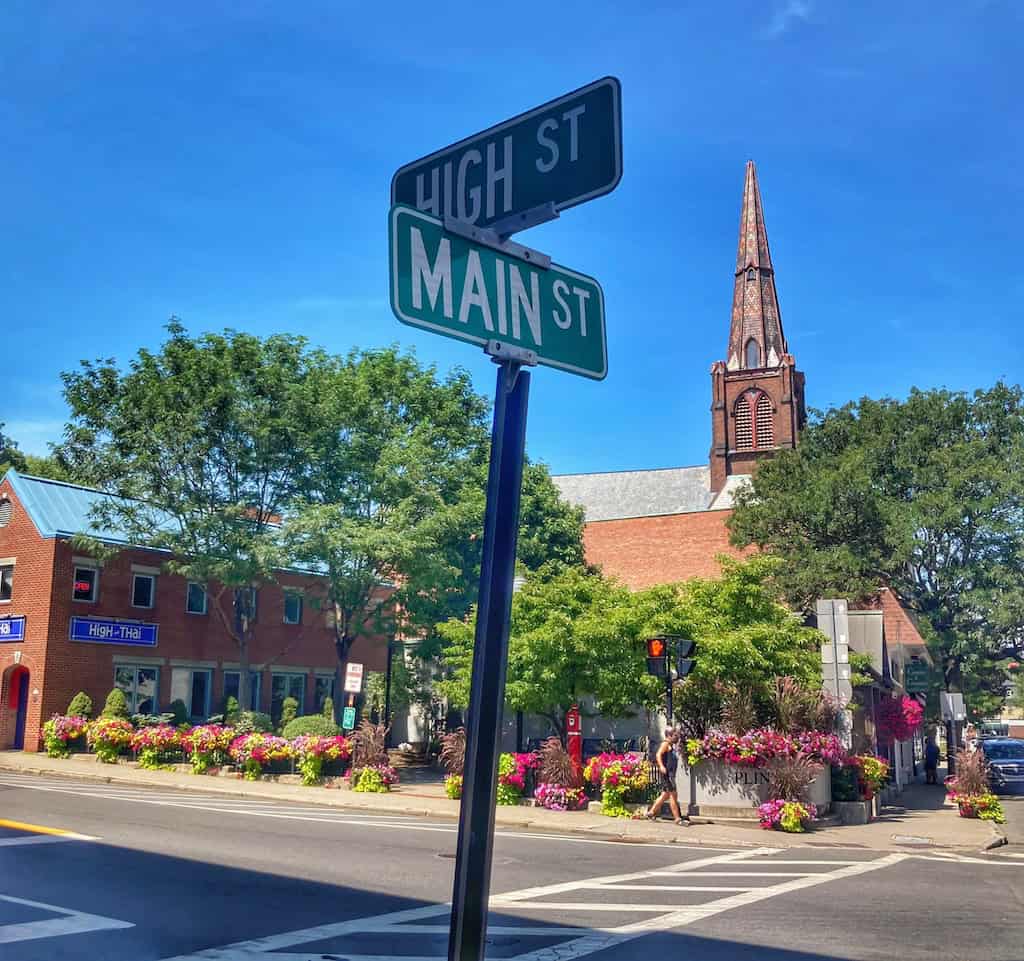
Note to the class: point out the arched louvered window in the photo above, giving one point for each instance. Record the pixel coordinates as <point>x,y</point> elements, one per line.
<point>764,428</point>
<point>754,421</point>
<point>753,354</point>
<point>744,425</point>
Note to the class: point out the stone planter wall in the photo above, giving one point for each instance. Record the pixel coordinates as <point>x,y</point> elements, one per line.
<point>717,789</point>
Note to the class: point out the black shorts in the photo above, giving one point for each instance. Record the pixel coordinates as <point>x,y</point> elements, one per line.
<point>668,783</point>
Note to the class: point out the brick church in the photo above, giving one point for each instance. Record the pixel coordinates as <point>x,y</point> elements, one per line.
<point>648,527</point>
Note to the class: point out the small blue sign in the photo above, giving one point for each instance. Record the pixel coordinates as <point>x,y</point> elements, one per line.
<point>96,630</point>
<point>12,629</point>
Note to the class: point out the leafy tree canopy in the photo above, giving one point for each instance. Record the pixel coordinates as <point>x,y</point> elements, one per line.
<point>201,444</point>
<point>923,496</point>
<point>576,634</point>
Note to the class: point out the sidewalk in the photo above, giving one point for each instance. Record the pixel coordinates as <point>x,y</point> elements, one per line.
<point>924,821</point>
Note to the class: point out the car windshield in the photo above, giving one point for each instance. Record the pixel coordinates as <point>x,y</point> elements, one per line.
<point>1006,751</point>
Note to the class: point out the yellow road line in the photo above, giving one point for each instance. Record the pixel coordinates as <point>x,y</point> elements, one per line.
<point>42,829</point>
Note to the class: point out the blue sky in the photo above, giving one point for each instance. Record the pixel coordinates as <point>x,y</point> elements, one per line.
<point>230,163</point>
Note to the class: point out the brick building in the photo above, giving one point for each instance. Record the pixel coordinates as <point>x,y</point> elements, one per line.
<point>650,527</point>
<point>647,527</point>
<point>69,622</point>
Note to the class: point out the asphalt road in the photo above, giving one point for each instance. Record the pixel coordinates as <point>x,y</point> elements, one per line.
<point>152,874</point>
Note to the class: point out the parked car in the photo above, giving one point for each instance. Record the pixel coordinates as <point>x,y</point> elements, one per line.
<point>1005,756</point>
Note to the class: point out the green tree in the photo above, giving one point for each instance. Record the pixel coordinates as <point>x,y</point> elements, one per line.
<point>391,503</point>
<point>200,444</point>
<point>50,467</point>
<point>10,456</point>
<point>576,634</point>
<point>923,496</point>
<point>388,445</point>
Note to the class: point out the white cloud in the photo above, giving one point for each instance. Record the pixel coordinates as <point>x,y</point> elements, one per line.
<point>789,14</point>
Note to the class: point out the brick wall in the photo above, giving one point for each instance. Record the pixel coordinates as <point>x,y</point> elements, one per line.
<point>644,551</point>
<point>33,572</point>
<point>784,386</point>
<point>60,667</point>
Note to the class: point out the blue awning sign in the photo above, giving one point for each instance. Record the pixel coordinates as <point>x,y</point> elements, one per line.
<point>98,630</point>
<point>12,629</point>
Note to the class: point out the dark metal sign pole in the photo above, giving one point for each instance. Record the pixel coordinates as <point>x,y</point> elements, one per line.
<point>487,692</point>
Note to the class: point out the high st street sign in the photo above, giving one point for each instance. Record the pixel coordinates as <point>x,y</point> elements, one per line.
<point>553,157</point>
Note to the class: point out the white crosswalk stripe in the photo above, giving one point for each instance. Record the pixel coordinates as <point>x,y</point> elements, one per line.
<point>574,940</point>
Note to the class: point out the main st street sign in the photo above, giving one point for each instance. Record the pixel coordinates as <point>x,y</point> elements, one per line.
<point>447,283</point>
<point>560,154</point>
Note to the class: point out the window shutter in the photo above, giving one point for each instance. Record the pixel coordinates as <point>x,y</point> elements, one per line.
<point>765,422</point>
<point>744,426</point>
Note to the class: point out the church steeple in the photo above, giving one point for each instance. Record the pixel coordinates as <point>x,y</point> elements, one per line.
<point>756,339</point>
<point>757,394</point>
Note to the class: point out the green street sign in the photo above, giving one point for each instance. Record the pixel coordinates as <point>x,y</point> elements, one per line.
<point>452,285</point>
<point>348,718</point>
<point>915,677</point>
<point>562,153</point>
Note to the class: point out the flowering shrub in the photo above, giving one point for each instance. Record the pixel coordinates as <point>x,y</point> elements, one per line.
<point>756,748</point>
<point>554,797</point>
<point>872,773</point>
<point>207,745</point>
<point>512,772</point>
<point>898,718</point>
<point>453,786</point>
<point>108,736</point>
<point>151,742</point>
<point>253,751</point>
<point>788,816</point>
<point>311,751</point>
<point>984,806</point>
<point>374,779</point>
<point>619,776</point>
<point>60,731</point>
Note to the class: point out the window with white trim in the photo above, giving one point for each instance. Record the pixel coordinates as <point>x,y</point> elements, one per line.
<point>753,352</point>
<point>6,582</point>
<point>195,599</point>
<point>286,685</point>
<point>192,686</point>
<point>143,590</point>
<point>232,682</point>
<point>86,583</point>
<point>292,607</point>
<point>141,686</point>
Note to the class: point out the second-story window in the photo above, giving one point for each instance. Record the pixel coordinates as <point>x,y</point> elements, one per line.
<point>86,583</point>
<point>6,582</point>
<point>292,607</point>
<point>195,599</point>
<point>143,590</point>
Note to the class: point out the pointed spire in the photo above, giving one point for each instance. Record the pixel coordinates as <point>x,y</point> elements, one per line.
<point>755,336</point>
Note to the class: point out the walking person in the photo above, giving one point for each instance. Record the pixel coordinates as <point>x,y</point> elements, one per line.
<point>931,761</point>
<point>668,762</point>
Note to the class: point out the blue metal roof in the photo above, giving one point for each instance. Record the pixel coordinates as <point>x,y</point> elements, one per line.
<point>59,509</point>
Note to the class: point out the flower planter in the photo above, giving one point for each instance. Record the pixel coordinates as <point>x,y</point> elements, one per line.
<point>853,812</point>
<point>718,789</point>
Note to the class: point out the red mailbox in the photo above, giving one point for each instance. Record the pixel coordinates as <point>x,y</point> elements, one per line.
<point>574,735</point>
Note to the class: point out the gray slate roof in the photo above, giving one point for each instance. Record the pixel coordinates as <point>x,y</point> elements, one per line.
<point>638,493</point>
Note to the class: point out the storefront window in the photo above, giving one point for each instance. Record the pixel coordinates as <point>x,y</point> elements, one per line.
<point>286,685</point>
<point>141,686</point>
<point>323,689</point>
<point>192,686</point>
<point>231,684</point>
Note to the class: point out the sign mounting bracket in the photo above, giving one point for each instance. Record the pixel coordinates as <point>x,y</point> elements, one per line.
<point>490,238</point>
<point>533,217</point>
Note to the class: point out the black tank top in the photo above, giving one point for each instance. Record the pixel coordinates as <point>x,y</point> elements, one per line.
<point>671,761</point>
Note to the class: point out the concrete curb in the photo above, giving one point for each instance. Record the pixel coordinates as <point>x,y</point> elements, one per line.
<point>997,840</point>
<point>395,804</point>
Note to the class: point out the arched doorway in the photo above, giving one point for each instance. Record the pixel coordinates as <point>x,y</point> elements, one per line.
<point>17,701</point>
